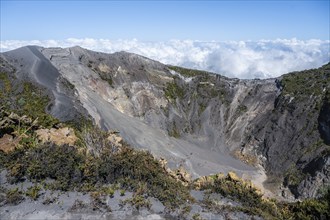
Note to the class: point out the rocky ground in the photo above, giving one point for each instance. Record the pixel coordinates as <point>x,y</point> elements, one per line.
<point>51,204</point>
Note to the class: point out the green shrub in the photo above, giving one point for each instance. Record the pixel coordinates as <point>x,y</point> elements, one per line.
<point>238,190</point>
<point>14,197</point>
<point>305,83</point>
<point>310,209</point>
<point>250,199</point>
<point>252,202</point>
<point>33,192</point>
<point>60,163</point>
<point>173,91</point>
<point>109,191</point>
<point>241,109</point>
<point>24,98</point>
<point>138,201</point>
<point>137,170</point>
<point>174,132</point>
<point>196,216</point>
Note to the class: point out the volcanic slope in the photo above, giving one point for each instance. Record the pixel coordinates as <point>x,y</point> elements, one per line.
<point>196,119</point>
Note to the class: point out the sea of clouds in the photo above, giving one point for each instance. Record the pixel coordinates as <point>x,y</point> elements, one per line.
<point>241,59</point>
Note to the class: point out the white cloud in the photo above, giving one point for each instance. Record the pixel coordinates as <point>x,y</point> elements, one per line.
<point>249,59</point>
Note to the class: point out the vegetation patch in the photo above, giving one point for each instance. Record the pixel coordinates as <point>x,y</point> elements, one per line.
<point>174,132</point>
<point>14,196</point>
<point>84,169</point>
<point>106,77</point>
<point>247,158</point>
<point>188,72</point>
<point>138,201</point>
<point>33,192</point>
<point>237,189</point>
<point>293,177</point>
<point>241,109</point>
<point>25,99</point>
<point>67,84</point>
<point>201,108</point>
<point>252,202</point>
<point>173,91</point>
<point>311,208</point>
<point>307,82</point>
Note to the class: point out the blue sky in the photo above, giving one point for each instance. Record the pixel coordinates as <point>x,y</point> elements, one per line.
<point>165,20</point>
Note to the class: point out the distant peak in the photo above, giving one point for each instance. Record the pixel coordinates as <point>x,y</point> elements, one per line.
<point>77,48</point>
<point>33,47</point>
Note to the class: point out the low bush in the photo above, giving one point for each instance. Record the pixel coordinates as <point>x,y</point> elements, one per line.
<point>311,208</point>
<point>14,196</point>
<point>25,99</point>
<point>173,91</point>
<point>33,192</point>
<point>138,201</point>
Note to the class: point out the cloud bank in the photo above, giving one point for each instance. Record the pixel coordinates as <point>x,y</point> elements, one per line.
<point>241,59</point>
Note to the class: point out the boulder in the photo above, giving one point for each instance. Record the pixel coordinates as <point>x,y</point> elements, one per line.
<point>183,176</point>
<point>7,143</point>
<point>58,136</point>
<point>115,139</point>
<point>180,174</point>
